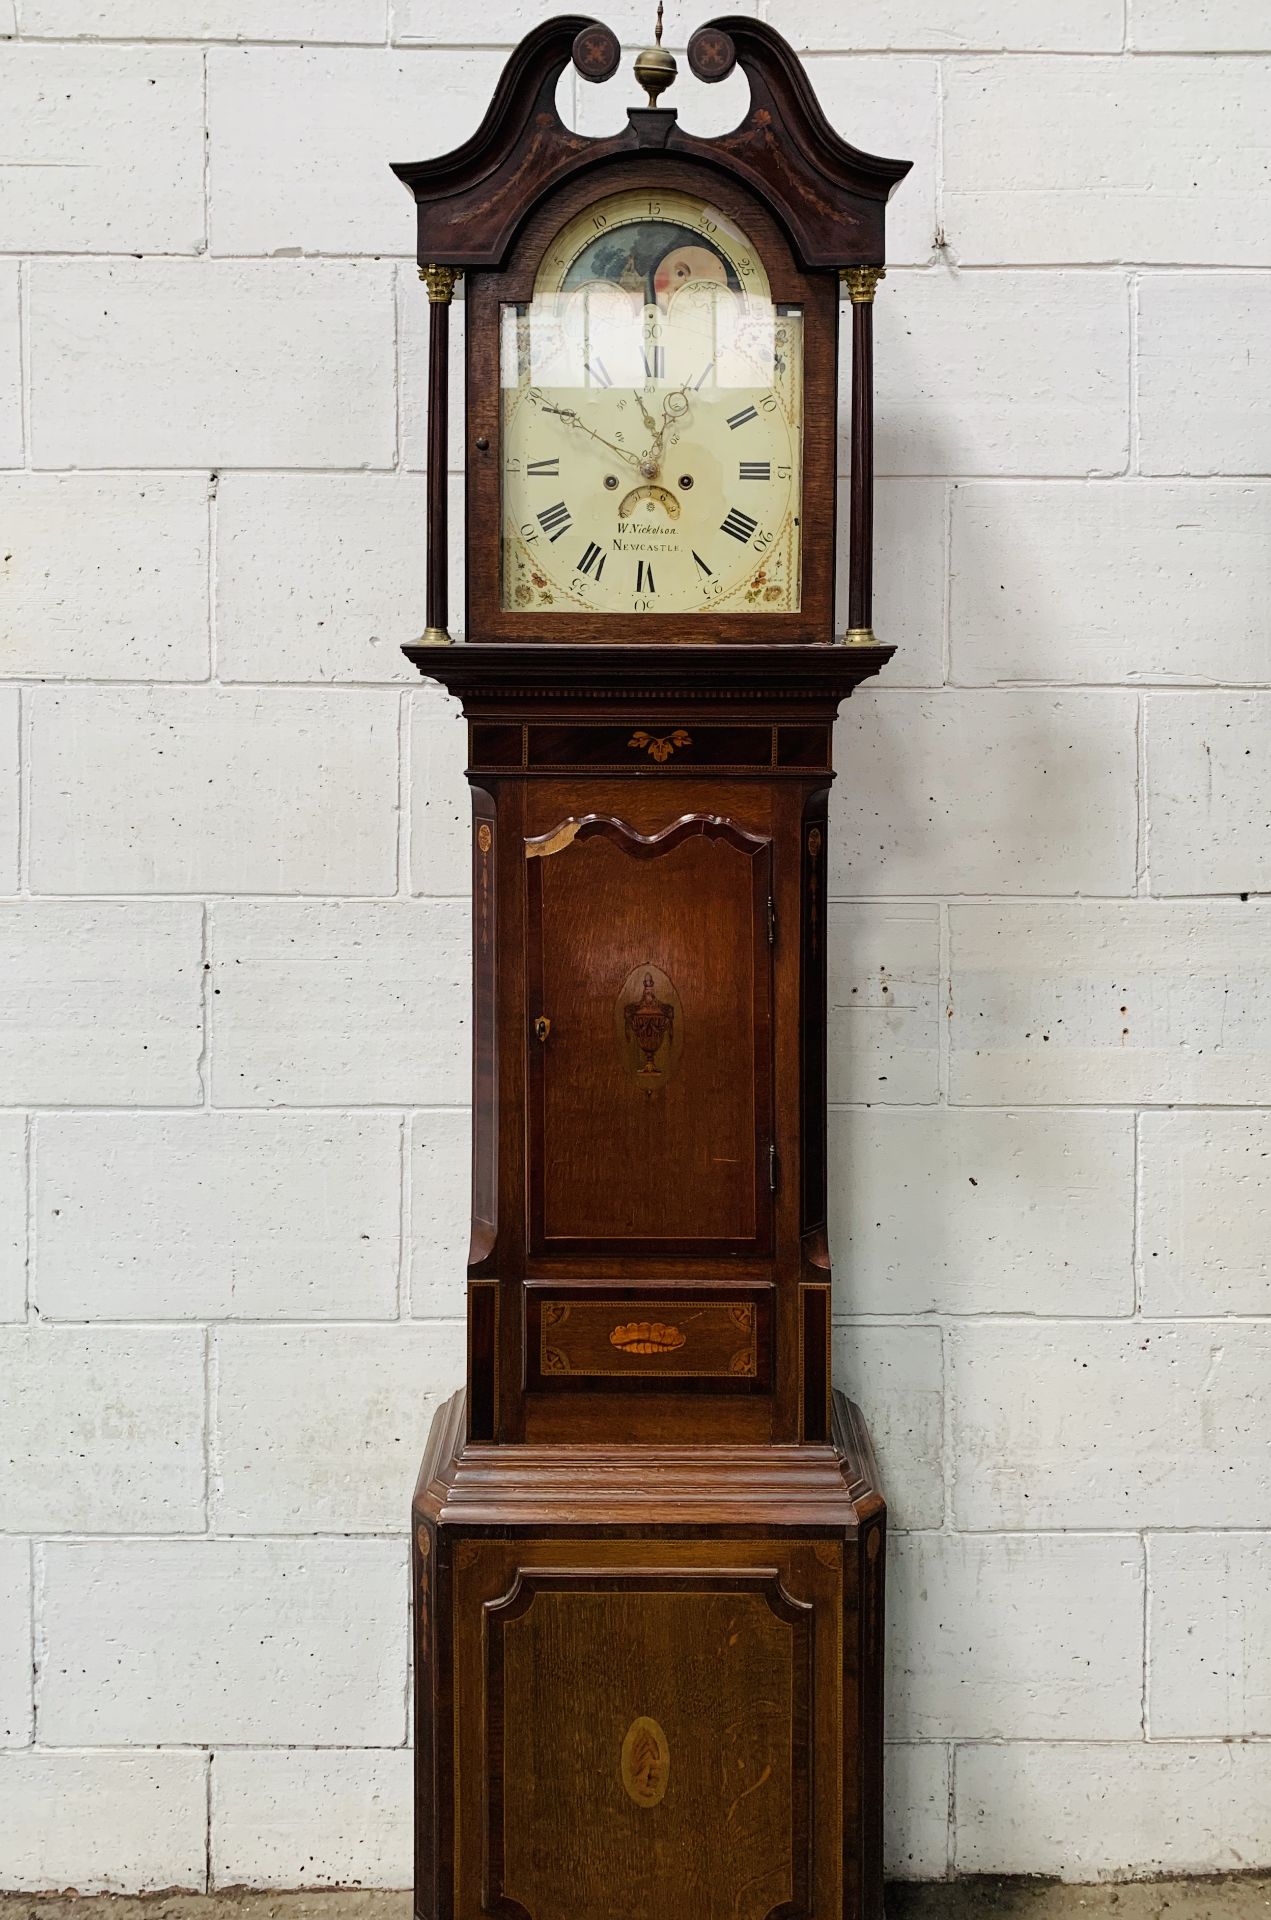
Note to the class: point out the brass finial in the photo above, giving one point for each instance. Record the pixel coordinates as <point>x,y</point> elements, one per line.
<point>655,68</point>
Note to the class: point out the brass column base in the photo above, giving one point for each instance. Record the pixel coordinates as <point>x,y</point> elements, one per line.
<point>434,637</point>
<point>860,637</point>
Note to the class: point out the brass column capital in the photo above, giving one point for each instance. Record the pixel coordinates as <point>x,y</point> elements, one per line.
<point>441,283</point>
<point>861,282</point>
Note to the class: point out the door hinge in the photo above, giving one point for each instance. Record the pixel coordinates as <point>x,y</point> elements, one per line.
<point>772,921</point>
<point>772,1168</point>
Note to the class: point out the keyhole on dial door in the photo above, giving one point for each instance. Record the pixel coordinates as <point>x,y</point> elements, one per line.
<point>542,1027</point>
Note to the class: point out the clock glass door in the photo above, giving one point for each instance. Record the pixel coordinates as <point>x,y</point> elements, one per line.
<point>652,420</point>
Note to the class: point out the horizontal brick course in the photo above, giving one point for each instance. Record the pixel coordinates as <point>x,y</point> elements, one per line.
<point>16,1606</point>
<point>1060,1659</point>
<point>112,150</point>
<point>1116,1001</point>
<point>299,137</point>
<point>1047,804</point>
<point>1060,581</point>
<point>103,1822</point>
<point>1206,1213</point>
<point>100,1002</point>
<point>104,1430</point>
<point>1126,1425</point>
<point>1051,160</point>
<point>201,790</point>
<point>320,1429</point>
<point>944,405</point>
<point>205,19</point>
<point>324,1005</point>
<point>311,1819</point>
<point>243,1641</point>
<point>175,363</point>
<point>13,1233</point>
<point>969,1211</point>
<point>294,1216</point>
<point>1086,1812</point>
<point>134,605</point>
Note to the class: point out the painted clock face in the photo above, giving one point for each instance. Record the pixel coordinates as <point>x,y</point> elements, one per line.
<point>652,412</point>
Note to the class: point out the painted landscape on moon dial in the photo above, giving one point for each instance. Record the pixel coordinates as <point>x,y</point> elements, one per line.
<point>652,420</point>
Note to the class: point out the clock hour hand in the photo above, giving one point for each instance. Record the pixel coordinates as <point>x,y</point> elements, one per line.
<point>571,418</point>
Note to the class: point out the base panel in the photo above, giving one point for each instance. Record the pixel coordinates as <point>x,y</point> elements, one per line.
<point>649,1680</point>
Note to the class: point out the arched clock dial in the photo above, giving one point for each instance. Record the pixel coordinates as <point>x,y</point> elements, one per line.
<point>652,420</point>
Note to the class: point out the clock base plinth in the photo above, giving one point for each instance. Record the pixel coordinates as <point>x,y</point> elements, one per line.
<point>649,1679</point>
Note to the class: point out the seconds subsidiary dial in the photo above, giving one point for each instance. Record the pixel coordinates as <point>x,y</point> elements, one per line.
<point>652,420</point>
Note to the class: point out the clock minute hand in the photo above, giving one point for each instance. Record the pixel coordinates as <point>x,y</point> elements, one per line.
<point>570,416</point>
<point>649,421</point>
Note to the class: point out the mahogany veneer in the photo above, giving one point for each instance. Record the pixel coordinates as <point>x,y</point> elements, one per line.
<point>649,1540</point>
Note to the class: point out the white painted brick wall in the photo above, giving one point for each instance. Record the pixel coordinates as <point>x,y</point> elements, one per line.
<point>1208,793</point>
<point>15,1643</point>
<point>199,790</point>
<point>9,788</point>
<point>321,1426</point>
<point>298,137</point>
<point>1147,556</point>
<point>192,363</point>
<point>11,433</point>
<point>980,1210</point>
<point>1095,1812</point>
<point>104,1431</point>
<point>1032,1636</point>
<point>1046,805</point>
<point>1206,1213</point>
<point>234,1120</point>
<point>1204,354</point>
<point>134,606</point>
<point>234,1216</point>
<point>318,576</point>
<point>13,1211</point>
<point>1210,1640</point>
<point>101,1003</point>
<point>311,1818</point>
<point>1058,160</point>
<point>248,1642</point>
<point>111,148</point>
<point>103,1822</point>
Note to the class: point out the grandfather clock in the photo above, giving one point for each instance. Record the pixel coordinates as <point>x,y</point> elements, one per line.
<point>649,1536</point>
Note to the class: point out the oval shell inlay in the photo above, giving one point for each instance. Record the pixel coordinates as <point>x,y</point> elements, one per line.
<point>646,1762</point>
<point>646,1336</point>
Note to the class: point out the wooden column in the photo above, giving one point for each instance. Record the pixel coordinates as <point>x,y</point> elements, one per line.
<point>440,282</point>
<point>860,283</point>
